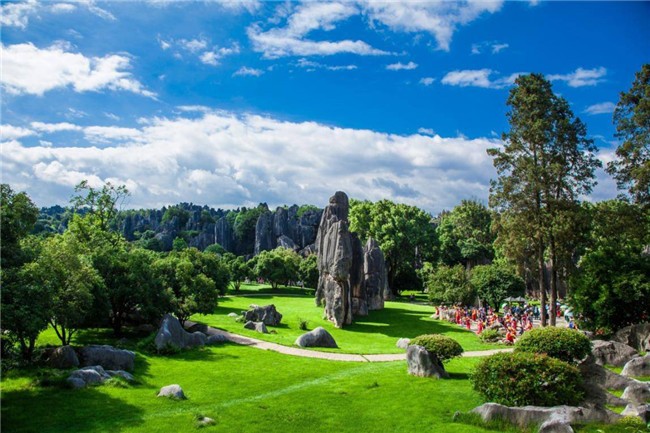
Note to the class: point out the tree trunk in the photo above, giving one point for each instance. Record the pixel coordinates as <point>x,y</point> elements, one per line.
<point>542,286</point>
<point>553,285</point>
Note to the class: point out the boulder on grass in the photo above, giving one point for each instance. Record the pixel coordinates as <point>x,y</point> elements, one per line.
<point>637,393</point>
<point>91,375</point>
<point>108,357</point>
<point>423,363</point>
<point>216,339</point>
<point>256,326</point>
<point>403,343</point>
<point>172,391</point>
<point>637,336</point>
<point>612,353</point>
<point>637,367</point>
<point>639,410</point>
<point>122,374</point>
<point>318,337</point>
<point>63,357</point>
<point>267,314</point>
<point>171,334</point>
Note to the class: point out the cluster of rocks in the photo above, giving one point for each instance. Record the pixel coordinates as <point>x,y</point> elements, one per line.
<point>352,278</point>
<point>95,375</point>
<point>257,317</point>
<point>284,228</point>
<point>172,335</point>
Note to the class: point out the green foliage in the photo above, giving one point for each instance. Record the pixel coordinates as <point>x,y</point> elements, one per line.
<point>631,169</point>
<point>17,217</point>
<point>490,336</point>
<point>443,347</point>
<point>215,249</point>
<point>450,285</point>
<point>308,271</point>
<point>238,267</point>
<point>520,379</point>
<point>182,216</point>
<point>244,227</point>
<point>179,244</point>
<point>493,283</point>
<point>305,208</point>
<point>405,235</point>
<point>278,266</point>
<point>465,235</point>
<point>568,345</point>
<point>612,287</point>
<point>100,206</point>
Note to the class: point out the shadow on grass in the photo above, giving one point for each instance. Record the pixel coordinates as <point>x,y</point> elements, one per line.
<point>56,410</point>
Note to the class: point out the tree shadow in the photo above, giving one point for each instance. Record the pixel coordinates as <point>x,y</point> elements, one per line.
<point>55,409</point>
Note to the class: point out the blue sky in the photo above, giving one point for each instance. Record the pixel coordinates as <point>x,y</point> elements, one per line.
<point>235,103</point>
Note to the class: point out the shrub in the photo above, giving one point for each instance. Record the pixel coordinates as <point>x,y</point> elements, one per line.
<point>565,344</point>
<point>520,379</point>
<point>490,336</point>
<point>444,348</point>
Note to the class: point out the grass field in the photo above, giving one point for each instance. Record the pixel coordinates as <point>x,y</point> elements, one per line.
<point>376,333</point>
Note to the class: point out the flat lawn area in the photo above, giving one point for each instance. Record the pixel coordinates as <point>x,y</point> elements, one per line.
<point>376,333</point>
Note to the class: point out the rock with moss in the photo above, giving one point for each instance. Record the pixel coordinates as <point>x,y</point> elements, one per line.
<point>423,363</point>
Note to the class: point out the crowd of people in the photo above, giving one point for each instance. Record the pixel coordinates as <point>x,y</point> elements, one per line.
<point>513,320</point>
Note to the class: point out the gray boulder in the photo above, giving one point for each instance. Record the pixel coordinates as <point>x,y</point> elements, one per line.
<point>403,343</point>
<point>287,243</point>
<point>267,314</point>
<point>375,275</point>
<point>318,337</point>
<point>555,426</point>
<point>63,357</point>
<point>216,339</point>
<point>171,334</point>
<point>637,367</point>
<point>121,373</point>
<point>256,326</point>
<point>172,391</point>
<point>599,376</point>
<point>423,363</point>
<point>637,393</point>
<point>234,315</point>
<point>639,410</point>
<point>198,327</point>
<point>612,353</point>
<point>548,418</point>
<point>637,336</point>
<point>108,357</point>
<point>91,375</point>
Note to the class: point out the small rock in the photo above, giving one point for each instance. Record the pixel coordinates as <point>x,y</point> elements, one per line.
<point>319,337</point>
<point>172,391</point>
<point>233,315</point>
<point>257,326</point>
<point>637,367</point>
<point>63,357</point>
<point>172,334</point>
<point>92,375</point>
<point>403,343</point>
<point>640,410</point>
<point>423,363</point>
<point>216,339</point>
<point>204,421</point>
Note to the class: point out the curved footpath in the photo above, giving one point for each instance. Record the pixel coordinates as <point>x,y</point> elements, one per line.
<point>295,351</point>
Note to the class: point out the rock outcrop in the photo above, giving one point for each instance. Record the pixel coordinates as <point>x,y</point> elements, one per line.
<point>284,228</point>
<point>171,334</point>
<point>267,314</point>
<point>63,357</point>
<point>423,363</point>
<point>108,357</point>
<point>636,336</point>
<point>319,337</point>
<point>375,275</point>
<point>612,353</point>
<point>637,367</point>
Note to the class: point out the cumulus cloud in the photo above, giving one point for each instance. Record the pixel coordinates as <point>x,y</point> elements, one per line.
<point>222,159</point>
<point>311,66</point>
<point>602,108</point>
<point>246,71</point>
<point>478,78</point>
<point>199,47</point>
<point>32,70</point>
<point>291,40</point>
<point>581,77</point>
<point>17,14</point>
<point>427,81</point>
<point>399,66</point>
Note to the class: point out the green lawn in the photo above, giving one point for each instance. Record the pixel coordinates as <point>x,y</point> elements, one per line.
<point>376,333</point>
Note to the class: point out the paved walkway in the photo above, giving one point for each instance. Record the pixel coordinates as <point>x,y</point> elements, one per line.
<point>348,357</point>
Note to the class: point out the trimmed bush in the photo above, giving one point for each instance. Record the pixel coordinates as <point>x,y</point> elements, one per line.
<point>490,336</point>
<point>520,379</point>
<point>564,344</point>
<point>444,348</point>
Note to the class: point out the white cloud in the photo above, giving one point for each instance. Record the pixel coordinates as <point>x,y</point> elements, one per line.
<point>494,47</point>
<point>199,47</point>
<point>312,66</point>
<point>497,48</point>
<point>426,131</point>
<point>478,78</point>
<point>246,71</point>
<point>223,159</point>
<point>602,108</point>
<point>55,127</point>
<point>94,9</point>
<point>399,66</point>
<point>581,77</point>
<point>31,70</point>
<point>8,132</point>
<point>17,14</point>
<point>427,81</point>
<point>61,8</point>
<point>440,19</point>
<point>193,45</point>
<point>291,39</point>
<point>218,53</point>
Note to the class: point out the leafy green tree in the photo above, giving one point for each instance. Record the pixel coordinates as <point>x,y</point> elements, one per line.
<point>101,206</point>
<point>64,270</point>
<point>177,214</point>
<point>631,169</point>
<point>405,235</point>
<point>308,271</point>
<point>450,285</point>
<point>212,266</point>
<point>465,235</point>
<point>546,163</point>
<point>493,283</point>
<point>278,266</point>
<point>239,269</point>
<point>179,244</point>
<point>244,227</point>
<point>18,214</point>
<point>612,287</point>
<point>215,249</point>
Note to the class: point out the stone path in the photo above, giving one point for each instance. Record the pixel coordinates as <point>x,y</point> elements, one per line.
<point>348,357</point>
